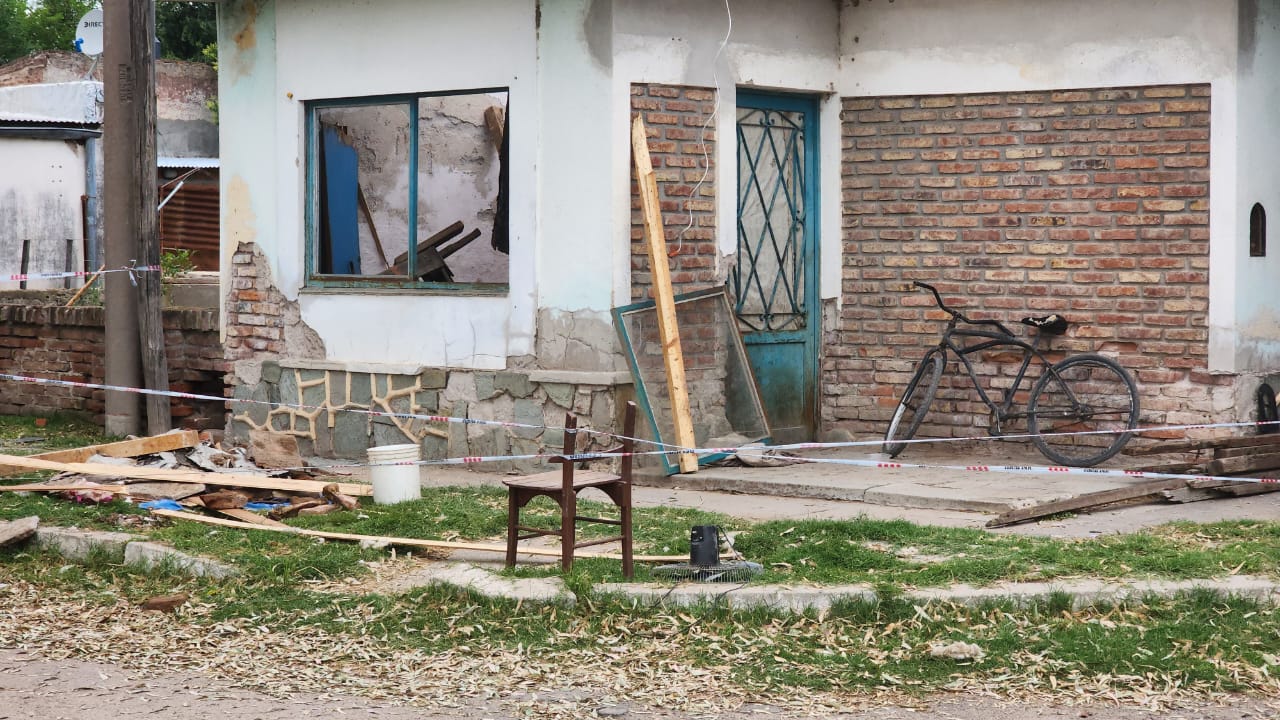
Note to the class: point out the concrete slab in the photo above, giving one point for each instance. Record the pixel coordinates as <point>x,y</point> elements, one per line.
<point>16,531</point>
<point>76,544</point>
<point>152,555</point>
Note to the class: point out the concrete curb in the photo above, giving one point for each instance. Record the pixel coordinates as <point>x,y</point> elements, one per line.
<point>78,545</point>
<point>484,582</point>
<point>1083,593</point>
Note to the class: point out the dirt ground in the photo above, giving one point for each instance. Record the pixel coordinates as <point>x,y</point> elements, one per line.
<point>35,687</point>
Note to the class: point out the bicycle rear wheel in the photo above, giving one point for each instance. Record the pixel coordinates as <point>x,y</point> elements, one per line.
<point>914,403</point>
<point>1082,394</point>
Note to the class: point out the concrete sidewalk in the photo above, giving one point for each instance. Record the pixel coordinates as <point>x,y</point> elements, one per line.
<point>925,495</point>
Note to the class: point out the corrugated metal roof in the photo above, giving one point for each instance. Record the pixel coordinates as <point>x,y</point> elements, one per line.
<point>186,162</point>
<point>16,117</point>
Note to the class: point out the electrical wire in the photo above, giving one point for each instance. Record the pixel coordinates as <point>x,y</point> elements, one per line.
<point>702,133</point>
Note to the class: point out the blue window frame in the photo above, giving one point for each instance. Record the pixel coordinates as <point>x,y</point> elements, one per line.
<point>393,172</point>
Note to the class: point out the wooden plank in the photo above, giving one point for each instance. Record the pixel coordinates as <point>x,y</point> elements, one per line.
<point>494,117</point>
<point>1208,444</point>
<point>405,542</point>
<point>188,476</point>
<point>1086,501</point>
<point>1242,489</point>
<point>1183,468</point>
<point>428,258</point>
<point>85,288</point>
<point>67,487</point>
<point>1244,464</point>
<point>664,297</point>
<point>251,517</point>
<point>124,448</point>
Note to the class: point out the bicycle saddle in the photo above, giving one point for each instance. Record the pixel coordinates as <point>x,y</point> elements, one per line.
<point>1051,324</point>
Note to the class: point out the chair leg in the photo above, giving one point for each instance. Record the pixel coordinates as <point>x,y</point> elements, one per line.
<point>568,530</point>
<point>628,569</point>
<point>513,520</point>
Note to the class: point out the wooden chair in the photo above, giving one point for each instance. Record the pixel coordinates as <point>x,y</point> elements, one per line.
<point>563,487</point>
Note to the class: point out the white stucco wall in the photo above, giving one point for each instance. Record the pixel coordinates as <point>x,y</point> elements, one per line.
<point>41,205</point>
<point>791,47</point>
<point>939,46</point>
<point>1257,326</point>
<point>299,50</point>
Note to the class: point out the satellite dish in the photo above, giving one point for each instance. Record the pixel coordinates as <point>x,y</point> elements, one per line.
<point>89,33</point>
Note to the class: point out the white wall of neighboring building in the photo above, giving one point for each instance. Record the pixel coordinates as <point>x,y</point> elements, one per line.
<point>939,46</point>
<point>41,206</point>
<point>1257,322</point>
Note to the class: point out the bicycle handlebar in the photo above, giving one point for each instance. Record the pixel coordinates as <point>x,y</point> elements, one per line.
<point>956,313</point>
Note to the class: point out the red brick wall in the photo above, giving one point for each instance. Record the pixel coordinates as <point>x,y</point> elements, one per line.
<point>682,135</point>
<point>1089,203</point>
<point>254,308</point>
<point>64,343</point>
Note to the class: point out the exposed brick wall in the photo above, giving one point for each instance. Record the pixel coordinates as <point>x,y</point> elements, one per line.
<point>1089,203</point>
<point>682,136</point>
<point>254,308</point>
<point>66,343</point>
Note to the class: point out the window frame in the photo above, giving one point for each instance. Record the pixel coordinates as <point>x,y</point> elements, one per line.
<point>313,279</point>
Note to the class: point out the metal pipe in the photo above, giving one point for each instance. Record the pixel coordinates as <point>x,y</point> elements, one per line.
<point>93,209</point>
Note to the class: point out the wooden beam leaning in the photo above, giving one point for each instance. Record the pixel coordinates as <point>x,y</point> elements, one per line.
<point>261,482</point>
<point>124,448</point>
<point>664,297</point>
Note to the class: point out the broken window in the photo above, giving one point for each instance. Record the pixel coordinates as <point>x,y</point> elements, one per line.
<point>427,172</point>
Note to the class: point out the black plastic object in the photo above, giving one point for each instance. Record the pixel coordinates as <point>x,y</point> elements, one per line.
<point>704,545</point>
<point>1267,410</point>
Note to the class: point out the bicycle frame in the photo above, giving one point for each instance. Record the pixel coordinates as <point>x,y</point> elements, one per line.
<point>990,339</point>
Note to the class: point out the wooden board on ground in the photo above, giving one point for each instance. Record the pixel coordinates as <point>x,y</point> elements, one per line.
<point>274,451</point>
<point>124,448</point>
<point>159,490</point>
<point>187,476</point>
<point>405,542</point>
<point>1244,463</point>
<point>1087,501</point>
<point>1207,444</point>
<point>251,517</point>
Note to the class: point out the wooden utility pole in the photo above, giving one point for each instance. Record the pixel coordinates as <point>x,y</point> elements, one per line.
<point>664,297</point>
<point>133,312</point>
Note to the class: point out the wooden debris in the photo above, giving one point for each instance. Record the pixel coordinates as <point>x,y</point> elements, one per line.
<point>1218,457</point>
<point>165,603</point>
<point>273,450</point>
<point>1246,441</point>
<point>16,531</point>
<point>224,499</point>
<point>160,490</point>
<point>124,448</point>
<point>251,517</point>
<point>324,509</point>
<point>1087,501</point>
<point>294,508</point>
<point>187,476</point>
<point>406,542</point>
<point>333,495</point>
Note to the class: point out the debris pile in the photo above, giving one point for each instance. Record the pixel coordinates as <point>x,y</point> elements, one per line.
<point>1188,471</point>
<point>183,470</point>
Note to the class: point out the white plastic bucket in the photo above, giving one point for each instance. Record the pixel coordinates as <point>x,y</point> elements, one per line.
<point>394,483</point>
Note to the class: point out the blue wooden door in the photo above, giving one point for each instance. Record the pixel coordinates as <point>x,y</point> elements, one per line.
<point>774,283</point>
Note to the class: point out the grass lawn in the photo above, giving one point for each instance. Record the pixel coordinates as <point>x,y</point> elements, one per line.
<point>1194,644</point>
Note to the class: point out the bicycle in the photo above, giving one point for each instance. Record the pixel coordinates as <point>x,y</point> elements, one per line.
<point>1078,411</point>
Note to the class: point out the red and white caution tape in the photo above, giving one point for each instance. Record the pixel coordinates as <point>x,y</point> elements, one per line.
<point>23,277</point>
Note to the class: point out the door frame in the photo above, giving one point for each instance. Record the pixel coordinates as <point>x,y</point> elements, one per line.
<point>810,106</point>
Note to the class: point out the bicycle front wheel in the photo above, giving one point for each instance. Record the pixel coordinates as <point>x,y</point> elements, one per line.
<point>914,404</point>
<point>1080,409</point>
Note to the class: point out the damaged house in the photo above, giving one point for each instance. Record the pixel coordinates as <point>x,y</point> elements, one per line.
<point>429,207</point>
